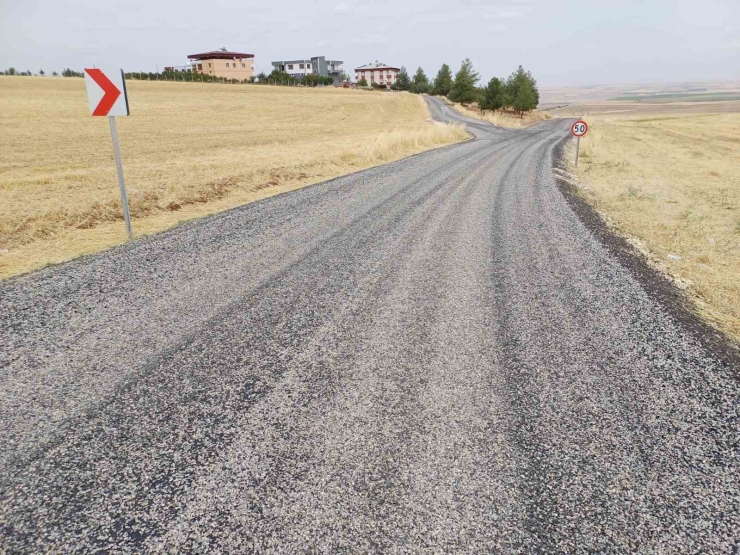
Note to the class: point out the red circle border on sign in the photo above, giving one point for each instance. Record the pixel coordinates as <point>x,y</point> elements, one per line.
<point>576,123</point>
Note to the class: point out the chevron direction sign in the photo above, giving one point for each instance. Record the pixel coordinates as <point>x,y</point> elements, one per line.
<point>106,92</point>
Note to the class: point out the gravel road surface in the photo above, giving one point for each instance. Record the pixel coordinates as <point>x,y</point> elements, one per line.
<point>434,355</point>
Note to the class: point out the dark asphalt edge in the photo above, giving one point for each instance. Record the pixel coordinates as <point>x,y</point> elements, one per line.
<point>184,225</point>
<point>660,288</point>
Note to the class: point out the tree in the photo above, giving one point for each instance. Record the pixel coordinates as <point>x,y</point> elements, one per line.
<point>362,82</point>
<point>311,80</point>
<point>463,89</point>
<point>420,83</point>
<point>525,100</point>
<point>261,77</point>
<point>522,101</point>
<point>12,71</point>
<point>280,77</point>
<point>54,73</point>
<point>41,72</point>
<point>443,81</point>
<point>493,96</point>
<point>403,83</point>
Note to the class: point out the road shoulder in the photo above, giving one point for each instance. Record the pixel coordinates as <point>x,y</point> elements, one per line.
<point>656,283</point>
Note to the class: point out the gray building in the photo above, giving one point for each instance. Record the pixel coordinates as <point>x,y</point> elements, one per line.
<point>318,65</point>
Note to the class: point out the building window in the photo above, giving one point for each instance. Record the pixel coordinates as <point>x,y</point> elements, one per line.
<point>290,66</point>
<point>244,65</point>
<point>209,64</point>
<point>300,66</point>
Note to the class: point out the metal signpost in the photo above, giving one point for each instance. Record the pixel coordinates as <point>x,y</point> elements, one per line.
<point>106,94</point>
<point>578,129</point>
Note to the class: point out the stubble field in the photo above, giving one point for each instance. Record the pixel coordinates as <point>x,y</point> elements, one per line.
<point>188,149</point>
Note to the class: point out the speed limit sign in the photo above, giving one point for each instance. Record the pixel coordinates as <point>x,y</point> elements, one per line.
<point>579,128</point>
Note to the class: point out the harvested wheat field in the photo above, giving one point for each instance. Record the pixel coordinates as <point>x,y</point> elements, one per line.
<point>671,182</point>
<point>188,149</point>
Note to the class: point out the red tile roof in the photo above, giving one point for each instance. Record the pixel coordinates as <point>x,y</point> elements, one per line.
<point>219,55</point>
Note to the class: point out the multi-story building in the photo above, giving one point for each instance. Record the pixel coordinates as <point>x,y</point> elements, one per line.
<point>318,65</point>
<point>377,73</point>
<point>220,63</point>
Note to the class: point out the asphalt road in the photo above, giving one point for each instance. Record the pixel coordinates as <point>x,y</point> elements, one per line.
<point>432,355</point>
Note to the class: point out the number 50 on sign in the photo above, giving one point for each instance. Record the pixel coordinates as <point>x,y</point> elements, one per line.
<point>578,129</point>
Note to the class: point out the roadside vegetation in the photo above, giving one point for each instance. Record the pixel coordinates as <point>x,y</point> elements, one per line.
<point>277,77</point>
<point>188,150</point>
<point>502,118</point>
<point>672,184</point>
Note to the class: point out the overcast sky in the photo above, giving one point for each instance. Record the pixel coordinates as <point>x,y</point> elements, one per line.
<point>563,42</point>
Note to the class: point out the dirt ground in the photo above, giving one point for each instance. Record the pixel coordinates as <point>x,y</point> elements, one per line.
<point>630,109</point>
<point>551,97</point>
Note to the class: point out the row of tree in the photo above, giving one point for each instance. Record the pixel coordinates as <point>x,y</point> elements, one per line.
<point>518,92</point>
<point>66,73</point>
<point>281,78</point>
<point>188,76</point>
<point>276,77</point>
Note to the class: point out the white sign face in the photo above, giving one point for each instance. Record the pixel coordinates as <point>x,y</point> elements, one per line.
<point>106,92</point>
<point>579,128</point>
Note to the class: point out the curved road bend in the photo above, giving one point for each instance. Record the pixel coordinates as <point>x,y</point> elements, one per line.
<point>431,355</point>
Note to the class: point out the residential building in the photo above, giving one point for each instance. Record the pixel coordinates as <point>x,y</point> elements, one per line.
<point>377,73</point>
<point>318,65</point>
<point>221,63</point>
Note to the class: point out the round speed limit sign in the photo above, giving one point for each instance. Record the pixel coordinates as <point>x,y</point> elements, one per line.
<point>579,128</point>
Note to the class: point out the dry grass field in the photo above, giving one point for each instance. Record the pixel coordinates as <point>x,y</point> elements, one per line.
<point>506,119</point>
<point>670,180</point>
<point>188,149</point>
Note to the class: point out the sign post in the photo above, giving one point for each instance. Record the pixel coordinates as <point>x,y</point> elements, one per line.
<point>106,94</point>
<point>578,129</point>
